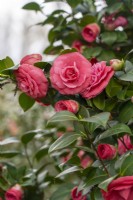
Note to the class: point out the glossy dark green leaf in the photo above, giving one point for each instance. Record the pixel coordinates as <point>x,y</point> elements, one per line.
<point>43,151</point>
<point>126,168</point>
<point>105,183</point>
<point>63,116</point>
<point>73,3</point>
<point>128,74</point>
<point>68,51</point>
<point>62,192</point>
<point>32,6</point>
<point>115,130</point>
<point>25,102</point>
<point>29,135</point>
<point>99,101</point>
<point>126,112</point>
<point>6,63</point>
<point>113,88</point>
<point>8,154</point>
<point>92,52</point>
<point>69,171</point>
<point>87,19</point>
<point>109,37</point>
<point>101,119</point>
<point>10,140</point>
<point>64,141</point>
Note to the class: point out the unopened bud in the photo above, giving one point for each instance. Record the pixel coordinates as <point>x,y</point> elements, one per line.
<point>117,64</point>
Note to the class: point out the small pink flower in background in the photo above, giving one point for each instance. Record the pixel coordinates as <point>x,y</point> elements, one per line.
<point>111,22</point>
<point>70,73</point>
<point>100,77</point>
<point>14,193</point>
<point>124,144</point>
<point>75,195</point>
<point>120,21</point>
<point>119,189</point>
<point>77,44</point>
<point>31,80</point>
<point>90,32</point>
<point>31,59</point>
<point>69,105</point>
<point>85,160</point>
<point>106,151</point>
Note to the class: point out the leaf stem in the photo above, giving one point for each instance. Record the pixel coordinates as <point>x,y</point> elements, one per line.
<point>27,156</point>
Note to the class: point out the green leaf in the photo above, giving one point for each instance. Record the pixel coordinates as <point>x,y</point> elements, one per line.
<point>126,166</point>
<point>121,36</point>
<point>126,112</point>
<point>101,119</point>
<point>73,3</point>
<point>8,154</point>
<point>106,55</point>
<point>43,65</point>
<point>96,179</point>
<point>32,6</point>
<point>92,52</point>
<point>116,129</point>
<point>52,50</point>
<point>64,141</point>
<point>109,37</point>
<point>99,101</point>
<point>113,88</point>
<point>104,184</point>
<point>6,63</point>
<point>26,102</point>
<point>43,151</point>
<point>128,75</point>
<point>7,141</point>
<point>87,19</point>
<point>62,192</point>
<point>63,116</point>
<point>68,171</point>
<point>115,7</point>
<point>29,135</point>
<point>68,51</point>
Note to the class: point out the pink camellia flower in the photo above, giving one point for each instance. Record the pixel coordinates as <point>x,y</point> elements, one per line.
<point>69,105</point>
<point>106,151</point>
<point>77,44</point>
<point>75,195</point>
<point>90,32</point>
<point>100,77</point>
<point>120,21</point>
<point>124,144</point>
<point>14,193</point>
<point>31,59</point>
<point>119,189</point>
<point>31,80</point>
<point>108,22</point>
<point>70,73</point>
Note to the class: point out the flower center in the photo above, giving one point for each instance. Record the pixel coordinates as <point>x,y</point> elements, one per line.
<point>70,73</point>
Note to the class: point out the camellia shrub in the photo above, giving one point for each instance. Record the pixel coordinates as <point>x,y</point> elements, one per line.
<point>87,144</point>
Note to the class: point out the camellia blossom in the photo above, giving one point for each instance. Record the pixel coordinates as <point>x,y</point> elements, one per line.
<point>31,59</point>
<point>124,144</point>
<point>77,44</point>
<point>75,195</point>
<point>69,105</point>
<point>90,32</point>
<point>31,80</point>
<point>70,73</point>
<point>119,189</point>
<point>100,77</point>
<point>14,193</point>
<point>120,21</point>
<point>106,151</point>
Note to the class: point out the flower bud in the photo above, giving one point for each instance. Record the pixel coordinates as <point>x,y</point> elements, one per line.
<point>14,193</point>
<point>69,105</point>
<point>31,59</point>
<point>106,151</point>
<point>117,64</point>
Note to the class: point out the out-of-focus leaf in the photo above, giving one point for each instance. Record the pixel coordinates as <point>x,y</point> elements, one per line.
<point>32,6</point>
<point>25,102</point>
<point>68,171</point>
<point>126,112</point>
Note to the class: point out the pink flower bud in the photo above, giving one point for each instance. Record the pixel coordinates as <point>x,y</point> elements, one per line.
<point>69,105</point>
<point>31,59</point>
<point>75,195</point>
<point>14,193</point>
<point>86,161</point>
<point>124,144</point>
<point>120,21</point>
<point>117,64</point>
<point>90,32</point>
<point>77,44</point>
<point>106,151</point>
